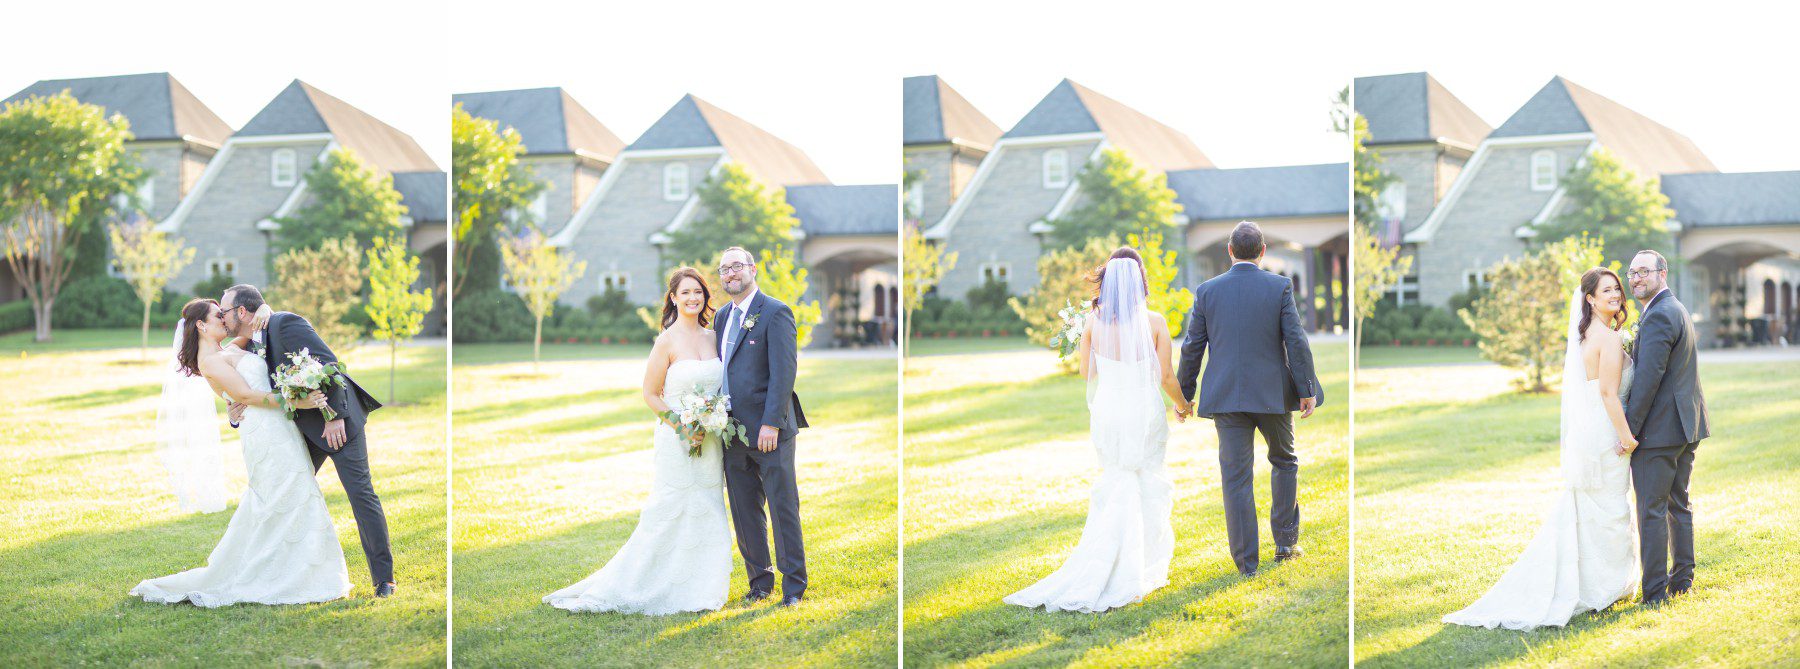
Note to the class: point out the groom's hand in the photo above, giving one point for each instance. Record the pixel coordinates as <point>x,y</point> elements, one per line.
<point>334,434</point>
<point>765,440</point>
<point>1307,405</point>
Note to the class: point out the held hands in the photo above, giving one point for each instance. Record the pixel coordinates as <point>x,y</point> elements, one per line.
<point>1183,410</point>
<point>765,440</point>
<point>1307,405</point>
<point>1627,444</point>
<point>236,412</point>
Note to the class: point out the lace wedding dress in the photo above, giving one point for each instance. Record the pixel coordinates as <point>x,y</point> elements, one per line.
<point>1128,540</point>
<point>280,547</point>
<point>1584,557</point>
<point>679,557</point>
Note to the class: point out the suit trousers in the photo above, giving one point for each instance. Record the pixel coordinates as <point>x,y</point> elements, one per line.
<point>1665,519</point>
<point>753,478</point>
<point>352,463</point>
<point>1237,469</point>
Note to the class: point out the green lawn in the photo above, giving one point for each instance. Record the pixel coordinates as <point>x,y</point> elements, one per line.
<point>1411,356</point>
<point>552,470</point>
<point>998,473</point>
<point>1455,472</point>
<point>965,345</point>
<point>89,515</point>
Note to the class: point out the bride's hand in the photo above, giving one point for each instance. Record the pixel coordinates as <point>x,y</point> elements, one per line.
<point>316,400</point>
<point>261,318</point>
<point>1627,444</point>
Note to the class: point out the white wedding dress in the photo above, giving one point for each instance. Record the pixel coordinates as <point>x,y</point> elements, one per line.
<point>678,559</point>
<point>280,547</point>
<point>1128,541</point>
<point>1584,557</point>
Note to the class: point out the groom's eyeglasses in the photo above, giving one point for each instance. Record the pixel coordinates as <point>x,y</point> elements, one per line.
<point>1641,273</point>
<point>733,268</point>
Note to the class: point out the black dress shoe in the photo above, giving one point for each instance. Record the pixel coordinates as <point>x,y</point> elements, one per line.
<point>790,600</point>
<point>1288,552</point>
<point>755,596</point>
<point>384,590</point>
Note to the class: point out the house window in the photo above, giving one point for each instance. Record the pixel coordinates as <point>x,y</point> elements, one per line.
<point>675,181</point>
<point>915,198</point>
<point>540,206</point>
<point>996,271</point>
<point>1391,205</point>
<point>221,267</point>
<point>611,281</point>
<point>1056,168</point>
<point>1543,170</point>
<point>1406,291</point>
<point>284,167</point>
<point>1473,279</point>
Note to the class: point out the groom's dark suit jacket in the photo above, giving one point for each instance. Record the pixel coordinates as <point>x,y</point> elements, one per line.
<point>1665,407</point>
<point>1261,361</point>
<point>762,368</point>
<point>289,332</point>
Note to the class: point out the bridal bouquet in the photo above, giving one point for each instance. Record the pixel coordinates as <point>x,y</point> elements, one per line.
<point>1074,324</point>
<point>303,375</point>
<point>705,413</point>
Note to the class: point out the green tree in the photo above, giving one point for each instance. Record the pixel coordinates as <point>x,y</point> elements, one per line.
<point>321,284</point>
<point>734,206</point>
<point>488,181</point>
<point>926,264</point>
<point>1605,199</point>
<point>149,258</point>
<point>1063,279</point>
<point>62,162</point>
<point>539,273</point>
<point>343,199</point>
<point>1378,266</point>
<point>779,276</point>
<point>1524,322</point>
<point>1117,199</point>
<point>397,311</point>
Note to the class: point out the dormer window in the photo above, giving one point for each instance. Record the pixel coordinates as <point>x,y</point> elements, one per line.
<point>284,167</point>
<point>1543,170</point>
<point>1056,168</point>
<point>675,182</point>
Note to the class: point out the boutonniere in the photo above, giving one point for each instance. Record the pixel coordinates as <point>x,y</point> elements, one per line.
<point>750,323</point>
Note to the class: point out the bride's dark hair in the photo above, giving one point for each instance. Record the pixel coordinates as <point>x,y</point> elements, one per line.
<point>196,310</point>
<point>1590,284</point>
<point>670,312</point>
<point>1098,275</point>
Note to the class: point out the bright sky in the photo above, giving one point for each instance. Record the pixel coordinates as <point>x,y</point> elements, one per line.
<point>1723,77</point>
<point>380,57</point>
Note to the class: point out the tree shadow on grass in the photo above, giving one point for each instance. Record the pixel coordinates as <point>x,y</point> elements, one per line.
<point>99,398</point>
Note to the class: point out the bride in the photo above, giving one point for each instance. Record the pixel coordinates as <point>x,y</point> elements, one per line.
<point>280,546</point>
<point>1584,557</point>
<point>678,559</point>
<point>1128,541</point>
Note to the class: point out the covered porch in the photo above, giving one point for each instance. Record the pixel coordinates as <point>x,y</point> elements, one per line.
<point>1312,251</point>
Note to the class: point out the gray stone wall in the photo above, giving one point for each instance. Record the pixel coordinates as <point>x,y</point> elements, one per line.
<point>617,238</point>
<point>558,176</point>
<point>995,227</point>
<point>936,180</point>
<point>162,166</point>
<point>1481,229</point>
<point>222,223</point>
<point>1417,168</point>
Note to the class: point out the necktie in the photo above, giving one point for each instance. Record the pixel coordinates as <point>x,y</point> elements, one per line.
<point>731,336</point>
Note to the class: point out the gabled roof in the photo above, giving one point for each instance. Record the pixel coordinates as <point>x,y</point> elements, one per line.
<point>423,193</point>
<point>302,109</point>
<point>934,113</point>
<point>548,120</point>
<point>158,106</point>
<point>1263,192</point>
<point>1744,198</point>
<point>1072,108</point>
<point>1414,107</point>
<point>695,123</point>
<point>826,209</point>
<point>1648,147</point>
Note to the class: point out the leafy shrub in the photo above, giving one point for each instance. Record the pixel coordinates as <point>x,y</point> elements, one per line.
<point>15,316</point>
<point>213,286</point>
<point>491,316</point>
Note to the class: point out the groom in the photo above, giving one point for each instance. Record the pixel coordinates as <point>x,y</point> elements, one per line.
<point>1667,414</point>
<point>1261,373</point>
<point>340,439</point>
<point>757,345</point>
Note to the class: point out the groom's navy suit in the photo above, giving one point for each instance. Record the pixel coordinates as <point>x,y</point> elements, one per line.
<point>1667,414</point>
<point>289,333</point>
<point>760,350</point>
<point>1260,370</point>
